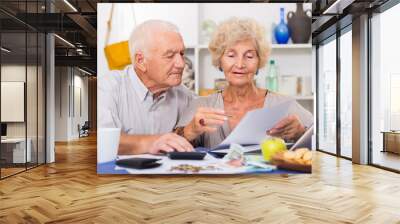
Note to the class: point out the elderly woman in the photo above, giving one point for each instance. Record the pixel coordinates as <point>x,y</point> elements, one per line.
<point>239,49</point>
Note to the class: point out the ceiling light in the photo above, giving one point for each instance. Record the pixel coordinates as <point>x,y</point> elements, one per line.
<point>5,50</point>
<point>70,5</point>
<point>65,41</point>
<point>337,7</point>
<point>84,71</point>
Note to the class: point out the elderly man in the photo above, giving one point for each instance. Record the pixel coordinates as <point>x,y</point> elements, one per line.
<point>146,99</point>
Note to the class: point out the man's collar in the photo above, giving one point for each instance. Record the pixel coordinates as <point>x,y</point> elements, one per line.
<point>141,90</point>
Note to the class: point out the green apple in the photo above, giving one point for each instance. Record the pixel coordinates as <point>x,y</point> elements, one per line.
<point>271,146</point>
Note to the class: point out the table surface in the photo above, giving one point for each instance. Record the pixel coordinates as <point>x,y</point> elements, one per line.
<point>14,140</point>
<point>111,168</point>
<point>390,132</point>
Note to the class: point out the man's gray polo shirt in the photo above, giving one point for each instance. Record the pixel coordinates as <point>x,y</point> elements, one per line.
<point>125,102</point>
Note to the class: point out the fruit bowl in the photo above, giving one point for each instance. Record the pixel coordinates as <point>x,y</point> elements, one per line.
<point>298,160</point>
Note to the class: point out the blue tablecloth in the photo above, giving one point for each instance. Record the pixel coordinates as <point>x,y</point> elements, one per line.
<point>109,168</point>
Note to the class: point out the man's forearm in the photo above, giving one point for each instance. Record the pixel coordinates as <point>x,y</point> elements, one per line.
<point>135,144</point>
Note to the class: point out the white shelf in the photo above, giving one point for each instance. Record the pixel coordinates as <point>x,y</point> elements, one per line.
<point>200,46</point>
<point>191,47</point>
<point>303,97</point>
<point>273,46</point>
<point>291,46</point>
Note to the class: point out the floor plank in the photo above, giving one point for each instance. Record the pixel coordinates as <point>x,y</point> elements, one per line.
<point>70,191</point>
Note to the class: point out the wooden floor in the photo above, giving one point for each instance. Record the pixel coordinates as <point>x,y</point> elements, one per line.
<point>387,159</point>
<point>70,191</point>
<point>10,171</point>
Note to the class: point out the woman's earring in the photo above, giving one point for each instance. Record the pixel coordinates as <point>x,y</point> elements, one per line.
<point>257,72</point>
<point>220,69</point>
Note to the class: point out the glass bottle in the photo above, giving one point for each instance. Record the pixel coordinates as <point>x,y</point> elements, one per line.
<point>272,77</point>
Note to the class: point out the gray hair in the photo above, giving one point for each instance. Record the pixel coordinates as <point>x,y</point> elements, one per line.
<point>235,29</point>
<point>141,35</point>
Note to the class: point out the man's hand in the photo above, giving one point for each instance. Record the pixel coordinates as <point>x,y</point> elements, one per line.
<point>205,120</point>
<point>170,142</point>
<point>289,128</point>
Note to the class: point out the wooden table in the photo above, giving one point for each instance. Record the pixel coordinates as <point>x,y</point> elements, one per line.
<point>16,147</point>
<point>391,141</point>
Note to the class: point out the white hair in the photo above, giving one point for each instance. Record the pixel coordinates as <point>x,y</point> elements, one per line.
<point>142,34</point>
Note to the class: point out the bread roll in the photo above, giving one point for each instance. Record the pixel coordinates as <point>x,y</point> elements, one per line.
<point>307,156</point>
<point>289,155</point>
<point>299,154</point>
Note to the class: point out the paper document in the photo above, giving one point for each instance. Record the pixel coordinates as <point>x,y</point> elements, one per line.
<point>246,149</point>
<point>253,127</point>
<point>305,140</point>
<point>250,148</point>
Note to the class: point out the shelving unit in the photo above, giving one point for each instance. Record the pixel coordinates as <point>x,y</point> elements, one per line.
<point>205,73</point>
<point>304,97</point>
<point>291,46</point>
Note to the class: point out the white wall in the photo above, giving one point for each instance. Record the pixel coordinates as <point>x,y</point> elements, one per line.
<point>17,73</point>
<point>80,83</point>
<point>188,17</point>
<point>14,73</point>
<point>68,80</point>
<point>62,81</point>
<point>183,15</point>
<point>33,127</point>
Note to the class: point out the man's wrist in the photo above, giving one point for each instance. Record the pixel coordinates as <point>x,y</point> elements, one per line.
<point>184,132</point>
<point>188,133</point>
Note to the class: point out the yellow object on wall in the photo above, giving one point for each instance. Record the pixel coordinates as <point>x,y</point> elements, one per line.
<point>117,55</point>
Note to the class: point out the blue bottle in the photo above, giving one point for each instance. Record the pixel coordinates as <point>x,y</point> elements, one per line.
<point>282,32</point>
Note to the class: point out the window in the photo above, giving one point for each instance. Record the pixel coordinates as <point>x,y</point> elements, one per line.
<point>22,69</point>
<point>385,89</point>
<point>346,94</point>
<point>327,97</point>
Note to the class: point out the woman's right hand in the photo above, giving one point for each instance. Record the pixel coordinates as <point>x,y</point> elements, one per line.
<point>206,119</point>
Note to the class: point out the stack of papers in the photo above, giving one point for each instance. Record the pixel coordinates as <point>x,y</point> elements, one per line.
<point>253,127</point>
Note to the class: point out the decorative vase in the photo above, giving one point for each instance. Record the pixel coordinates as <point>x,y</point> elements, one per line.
<point>282,31</point>
<point>300,24</point>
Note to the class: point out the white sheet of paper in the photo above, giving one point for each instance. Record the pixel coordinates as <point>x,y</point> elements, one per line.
<point>305,140</point>
<point>248,148</point>
<point>253,126</point>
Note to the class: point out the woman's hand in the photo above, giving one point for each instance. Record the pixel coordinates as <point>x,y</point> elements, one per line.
<point>205,120</point>
<point>289,128</point>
